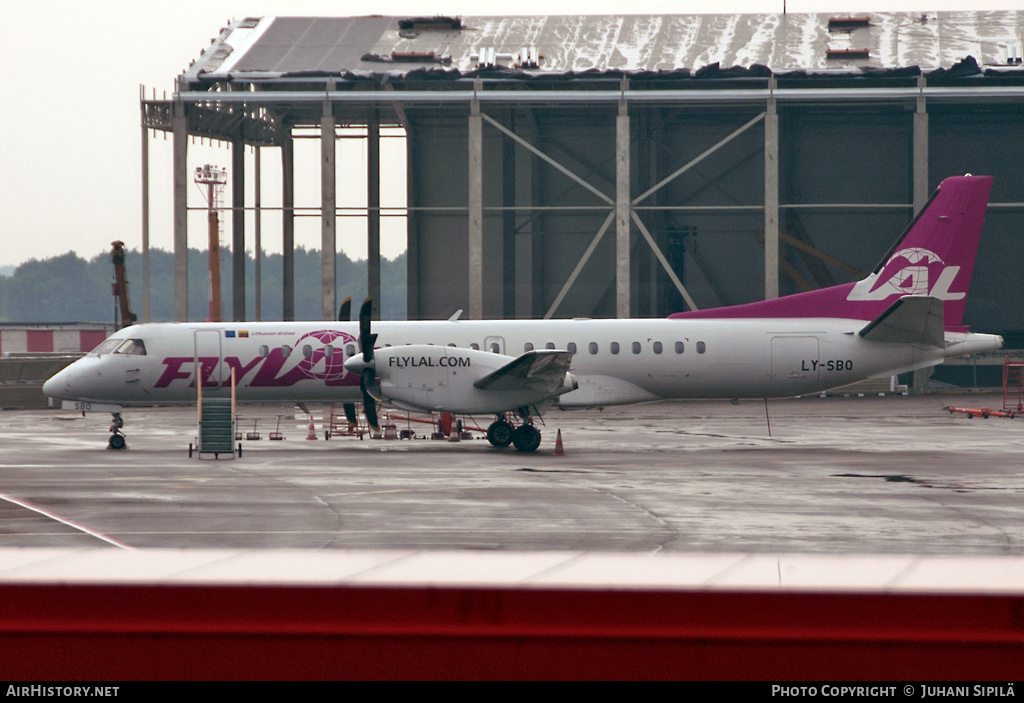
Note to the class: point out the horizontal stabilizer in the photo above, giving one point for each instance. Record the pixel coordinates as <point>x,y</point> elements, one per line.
<point>540,369</point>
<point>913,319</point>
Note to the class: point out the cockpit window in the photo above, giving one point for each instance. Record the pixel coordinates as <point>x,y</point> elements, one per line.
<point>132,346</point>
<point>107,346</point>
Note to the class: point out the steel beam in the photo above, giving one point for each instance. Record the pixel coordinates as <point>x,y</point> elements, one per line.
<point>696,160</point>
<point>771,199</point>
<point>179,128</point>
<point>258,232</point>
<point>622,212</point>
<point>548,97</point>
<point>373,209</point>
<point>287,226</point>
<point>145,216</point>
<point>328,216</point>
<point>476,214</point>
<point>664,262</point>
<point>579,265</point>
<point>921,189</point>
<point>548,159</point>
<point>238,228</point>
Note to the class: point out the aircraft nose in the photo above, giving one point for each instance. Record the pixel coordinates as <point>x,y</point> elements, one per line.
<point>58,385</point>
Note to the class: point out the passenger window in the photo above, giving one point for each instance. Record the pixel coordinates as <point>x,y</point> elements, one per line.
<point>328,351</point>
<point>528,346</point>
<point>571,347</point>
<point>451,344</point>
<point>615,347</point>
<point>657,347</point>
<point>700,347</point>
<point>286,351</point>
<point>474,345</point>
<point>549,345</point>
<point>264,351</point>
<point>592,347</point>
<point>307,351</point>
<point>350,350</point>
<point>636,347</point>
<point>679,347</point>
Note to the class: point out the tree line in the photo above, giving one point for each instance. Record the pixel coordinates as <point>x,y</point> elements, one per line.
<point>68,288</point>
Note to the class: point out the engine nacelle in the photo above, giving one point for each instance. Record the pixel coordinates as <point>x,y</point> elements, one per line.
<point>431,378</point>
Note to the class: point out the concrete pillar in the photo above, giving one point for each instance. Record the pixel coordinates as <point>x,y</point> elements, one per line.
<point>179,130</point>
<point>145,215</point>
<point>508,224</point>
<point>527,268</point>
<point>921,194</point>
<point>258,234</point>
<point>476,214</point>
<point>373,209</point>
<point>238,228</point>
<point>287,227</point>
<point>328,216</point>
<point>921,190</point>
<point>771,198</point>
<point>622,217</point>
<point>412,261</point>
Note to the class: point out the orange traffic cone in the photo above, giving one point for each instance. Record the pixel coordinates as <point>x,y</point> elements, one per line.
<point>312,429</point>
<point>559,451</point>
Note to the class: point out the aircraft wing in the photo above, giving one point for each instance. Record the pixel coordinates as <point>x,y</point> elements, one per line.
<point>539,369</point>
<point>913,319</point>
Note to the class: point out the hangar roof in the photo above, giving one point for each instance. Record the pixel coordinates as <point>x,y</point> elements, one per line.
<point>272,47</point>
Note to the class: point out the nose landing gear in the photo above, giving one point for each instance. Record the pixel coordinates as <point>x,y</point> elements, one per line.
<point>116,440</point>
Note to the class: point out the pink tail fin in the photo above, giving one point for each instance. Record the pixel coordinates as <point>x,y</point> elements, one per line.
<point>934,257</point>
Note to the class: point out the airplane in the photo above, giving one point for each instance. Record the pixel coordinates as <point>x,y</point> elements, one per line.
<point>906,314</point>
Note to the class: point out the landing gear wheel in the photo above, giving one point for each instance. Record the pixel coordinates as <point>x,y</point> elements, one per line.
<point>116,441</point>
<point>526,438</point>
<point>499,434</point>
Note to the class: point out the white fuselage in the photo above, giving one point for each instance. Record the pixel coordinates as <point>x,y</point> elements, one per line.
<point>614,362</point>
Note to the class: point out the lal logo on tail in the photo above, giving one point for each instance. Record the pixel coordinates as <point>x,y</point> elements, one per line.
<point>913,271</point>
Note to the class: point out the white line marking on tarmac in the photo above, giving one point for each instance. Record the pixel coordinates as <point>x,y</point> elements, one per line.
<point>69,523</point>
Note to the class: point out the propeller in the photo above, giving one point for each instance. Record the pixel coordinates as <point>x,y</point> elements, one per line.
<point>367,377</point>
<point>345,311</point>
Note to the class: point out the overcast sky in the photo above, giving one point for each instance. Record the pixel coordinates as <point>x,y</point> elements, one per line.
<point>69,153</point>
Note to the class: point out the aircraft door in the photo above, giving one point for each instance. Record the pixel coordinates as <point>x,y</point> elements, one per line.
<point>795,360</point>
<point>209,354</point>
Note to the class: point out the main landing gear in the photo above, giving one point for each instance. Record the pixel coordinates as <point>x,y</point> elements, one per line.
<point>116,440</point>
<point>525,437</point>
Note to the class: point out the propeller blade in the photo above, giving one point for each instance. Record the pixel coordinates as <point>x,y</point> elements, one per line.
<point>366,381</point>
<point>350,413</point>
<point>345,311</point>
<point>366,340</point>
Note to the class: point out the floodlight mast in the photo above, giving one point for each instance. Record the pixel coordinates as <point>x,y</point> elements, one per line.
<point>214,179</point>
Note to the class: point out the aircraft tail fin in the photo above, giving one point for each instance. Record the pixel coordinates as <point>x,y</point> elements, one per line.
<point>934,257</point>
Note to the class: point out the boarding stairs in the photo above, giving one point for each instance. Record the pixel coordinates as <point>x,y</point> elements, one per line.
<point>1013,384</point>
<point>215,433</point>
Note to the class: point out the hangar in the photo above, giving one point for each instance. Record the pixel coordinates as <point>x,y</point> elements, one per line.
<point>617,165</point>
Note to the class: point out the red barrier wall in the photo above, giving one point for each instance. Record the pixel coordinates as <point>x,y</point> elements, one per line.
<point>112,632</point>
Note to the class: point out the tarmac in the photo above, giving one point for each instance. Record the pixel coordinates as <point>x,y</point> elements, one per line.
<point>861,475</point>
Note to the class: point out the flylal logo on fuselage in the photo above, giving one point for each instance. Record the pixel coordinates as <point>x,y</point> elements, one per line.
<point>913,271</point>
<point>316,356</point>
